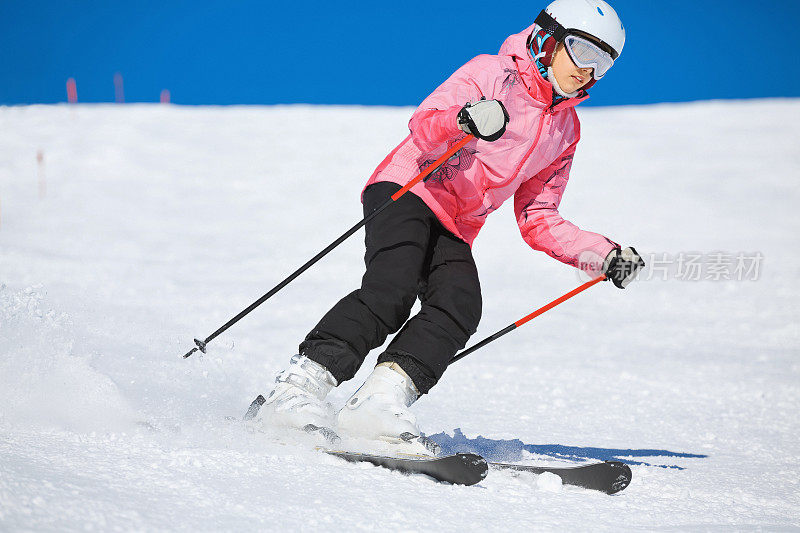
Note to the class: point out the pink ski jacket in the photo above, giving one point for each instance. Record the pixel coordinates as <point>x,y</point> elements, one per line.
<point>530,162</point>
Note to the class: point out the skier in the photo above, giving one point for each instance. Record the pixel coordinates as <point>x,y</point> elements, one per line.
<point>519,105</point>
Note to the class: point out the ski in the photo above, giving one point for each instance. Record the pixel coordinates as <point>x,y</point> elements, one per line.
<point>468,468</point>
<point>458,469</point>
<point>609,476</point>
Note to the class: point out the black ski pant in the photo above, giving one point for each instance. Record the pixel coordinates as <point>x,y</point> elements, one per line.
<point>409,255</point>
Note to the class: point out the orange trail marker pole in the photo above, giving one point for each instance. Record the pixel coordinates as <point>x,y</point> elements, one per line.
<point>528,318</point>
<point>72,91</point>
<point>201,345</point>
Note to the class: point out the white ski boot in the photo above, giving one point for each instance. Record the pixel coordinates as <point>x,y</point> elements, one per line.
<point>379,411</point>
<point>298,399</point>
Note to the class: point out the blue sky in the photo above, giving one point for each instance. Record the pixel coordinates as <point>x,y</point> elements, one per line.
<point>393,53</point>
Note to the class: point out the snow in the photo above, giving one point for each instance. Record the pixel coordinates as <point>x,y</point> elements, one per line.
<point>159,223</point>
<point>548,482</point>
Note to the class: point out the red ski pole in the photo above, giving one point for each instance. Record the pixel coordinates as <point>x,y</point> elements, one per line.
<point>528,318</point>
<point>201,345</point>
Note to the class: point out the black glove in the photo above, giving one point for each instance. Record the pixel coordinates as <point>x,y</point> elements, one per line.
<point>485,119</point>
<point>621,266</point>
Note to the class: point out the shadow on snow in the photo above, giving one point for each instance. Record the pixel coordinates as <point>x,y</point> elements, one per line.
<point>511,450</point>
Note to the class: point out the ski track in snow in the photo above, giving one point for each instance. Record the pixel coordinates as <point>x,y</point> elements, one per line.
<point>161,222</point>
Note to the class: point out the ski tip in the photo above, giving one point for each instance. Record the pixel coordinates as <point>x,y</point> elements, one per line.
<point>623,478</point>
<point>476,464</point>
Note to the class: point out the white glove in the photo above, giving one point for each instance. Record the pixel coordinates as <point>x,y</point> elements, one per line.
<point>621,266</point>
<point>485,119</point>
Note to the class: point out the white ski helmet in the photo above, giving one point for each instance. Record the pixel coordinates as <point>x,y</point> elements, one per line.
<point>592,18</point>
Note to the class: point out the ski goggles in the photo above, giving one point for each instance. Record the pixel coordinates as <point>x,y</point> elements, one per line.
<point>586,54</point>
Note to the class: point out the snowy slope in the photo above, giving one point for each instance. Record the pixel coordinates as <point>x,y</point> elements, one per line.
<point>158,223</point>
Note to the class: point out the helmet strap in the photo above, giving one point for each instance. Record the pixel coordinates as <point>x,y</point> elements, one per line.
<point>551,25</point>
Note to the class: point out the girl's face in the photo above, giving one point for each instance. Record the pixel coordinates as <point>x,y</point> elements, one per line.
<point>569,77</point>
